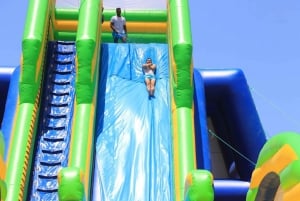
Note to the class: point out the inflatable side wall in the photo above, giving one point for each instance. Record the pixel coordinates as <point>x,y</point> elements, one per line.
<point>34,45</point>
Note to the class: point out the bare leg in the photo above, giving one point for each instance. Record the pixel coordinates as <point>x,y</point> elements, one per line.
<point>152,87</point>
<point>147,81</point>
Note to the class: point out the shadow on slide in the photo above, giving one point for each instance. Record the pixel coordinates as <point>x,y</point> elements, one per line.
<point>133,135</point>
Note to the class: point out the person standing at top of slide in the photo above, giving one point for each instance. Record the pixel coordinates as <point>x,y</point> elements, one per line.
<point>118,26</point>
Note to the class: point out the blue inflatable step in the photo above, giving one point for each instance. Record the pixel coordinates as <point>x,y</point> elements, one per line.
<point>64,62</point>
<point>50,159</point>
<point>55,128</point>
<point>60,93</point>
<point>56,116</point>
<point>51,170</point>
<point>60,99</point>
<point>62,71</point>
<point>53,146</point>
<point>51,135</point>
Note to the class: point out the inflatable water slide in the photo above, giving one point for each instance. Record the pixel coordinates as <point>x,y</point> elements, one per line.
<point>56,121</point>
<point>78,123</point>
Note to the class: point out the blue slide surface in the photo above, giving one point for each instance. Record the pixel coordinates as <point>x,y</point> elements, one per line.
<point>133,137</point>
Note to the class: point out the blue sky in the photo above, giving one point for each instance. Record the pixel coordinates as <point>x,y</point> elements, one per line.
<point>12,19</point>
<point>263,39</point>
<point>260,37</point>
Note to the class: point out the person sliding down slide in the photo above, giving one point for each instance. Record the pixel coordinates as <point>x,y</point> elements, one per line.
<point>149,72</point>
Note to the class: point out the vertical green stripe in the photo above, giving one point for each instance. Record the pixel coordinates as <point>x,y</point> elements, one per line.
<point>33,38</point>
<point>182,51</point>
<point>32,43</point>
<point>87,51</point>
<point>181,82</point>
<point>86,44</point>
<point>185,146</point>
